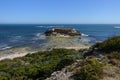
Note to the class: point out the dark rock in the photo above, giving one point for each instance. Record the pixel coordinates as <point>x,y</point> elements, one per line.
<point>62,31</point>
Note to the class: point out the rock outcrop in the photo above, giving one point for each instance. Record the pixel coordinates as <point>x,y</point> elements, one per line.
<point>62,32</point>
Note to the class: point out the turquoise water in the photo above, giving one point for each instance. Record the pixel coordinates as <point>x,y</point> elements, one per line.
<point>32,35</point>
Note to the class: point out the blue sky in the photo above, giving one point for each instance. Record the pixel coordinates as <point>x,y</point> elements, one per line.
<point>60,11</point>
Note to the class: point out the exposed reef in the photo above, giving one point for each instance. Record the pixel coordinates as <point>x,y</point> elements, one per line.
<point>62,32</point>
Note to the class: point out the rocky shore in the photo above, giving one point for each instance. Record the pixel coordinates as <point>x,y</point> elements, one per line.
<point>62,32</point>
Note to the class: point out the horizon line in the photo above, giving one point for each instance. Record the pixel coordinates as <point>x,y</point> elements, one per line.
<point>60,23</point>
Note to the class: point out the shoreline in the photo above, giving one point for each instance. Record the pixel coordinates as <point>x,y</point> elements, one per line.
<point>21,54</point>
<point>52,43</point>
<point>78,48</point>
<point>12,56</point>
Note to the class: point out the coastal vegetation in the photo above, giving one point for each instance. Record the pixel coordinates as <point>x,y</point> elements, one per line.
<point>40,65</point>
<point>36,66</point>
<point>111,49</point>
<point>92,70</point>
<point>109,45</point>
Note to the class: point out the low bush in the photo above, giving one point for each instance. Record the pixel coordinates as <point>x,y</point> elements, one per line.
<point>93,70</point>
<point>35,66</point>
<point>64,62</point>
<point>110,45</point>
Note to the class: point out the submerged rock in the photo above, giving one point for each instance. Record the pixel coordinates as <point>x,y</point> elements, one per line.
<point>62,32</point>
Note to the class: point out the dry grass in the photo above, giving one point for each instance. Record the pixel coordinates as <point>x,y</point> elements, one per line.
<point>111,73</point>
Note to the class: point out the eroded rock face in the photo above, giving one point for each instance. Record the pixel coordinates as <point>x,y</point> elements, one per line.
<point>62,31</point>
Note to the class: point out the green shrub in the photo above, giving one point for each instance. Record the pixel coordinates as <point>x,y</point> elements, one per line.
<point>35,66</point>
<point>64,62</point>
<point>91,71</point>
<point>110,45</point>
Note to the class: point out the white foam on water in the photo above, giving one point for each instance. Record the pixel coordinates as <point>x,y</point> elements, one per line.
<point>116,26</point>
<point>40,26</point>
<point>4,46</point>
<point>45,26</point>
<point>39,36</point>
<point>84,34</point>
<point>15,38</point>
<point>48,26</point>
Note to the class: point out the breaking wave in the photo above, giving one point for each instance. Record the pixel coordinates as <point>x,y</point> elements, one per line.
<point>45,26</point>
<point>4,46</point>
<point>84,34</point>
<point>116,26</point>
<point>39,36</point>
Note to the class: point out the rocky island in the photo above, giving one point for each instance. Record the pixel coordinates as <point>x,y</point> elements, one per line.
<point>62,32</point>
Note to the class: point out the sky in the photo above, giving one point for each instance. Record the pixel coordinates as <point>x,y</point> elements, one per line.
<point>60,11</point>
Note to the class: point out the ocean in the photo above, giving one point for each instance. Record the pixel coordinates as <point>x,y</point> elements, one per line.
<point>32,35</point>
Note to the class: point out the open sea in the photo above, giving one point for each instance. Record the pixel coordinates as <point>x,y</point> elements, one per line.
<point>32,35</point>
